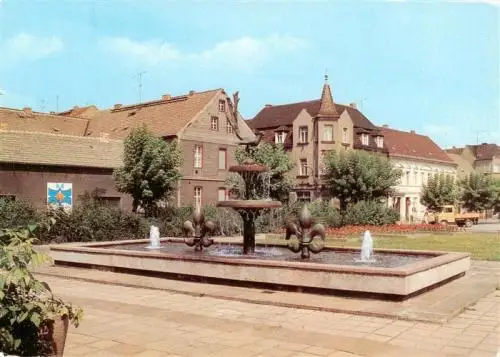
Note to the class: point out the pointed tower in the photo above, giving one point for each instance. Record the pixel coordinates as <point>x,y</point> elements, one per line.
<point>327,108</point>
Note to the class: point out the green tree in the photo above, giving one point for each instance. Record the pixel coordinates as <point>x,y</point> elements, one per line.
<point>275,182</point>
<point>150,169</point>
<point>355,176</point>
<point>440,190</point>
<point>495,206</point>
<point>477,192</point>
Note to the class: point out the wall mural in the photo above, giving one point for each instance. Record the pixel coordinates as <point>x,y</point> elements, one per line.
<point>60,195</point>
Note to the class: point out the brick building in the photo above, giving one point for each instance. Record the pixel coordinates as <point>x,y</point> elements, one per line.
<point>31,162</point>
<point>310,129</point>
<point>206,125</point>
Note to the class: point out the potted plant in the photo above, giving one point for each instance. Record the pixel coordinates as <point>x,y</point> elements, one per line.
<point>32,320</point>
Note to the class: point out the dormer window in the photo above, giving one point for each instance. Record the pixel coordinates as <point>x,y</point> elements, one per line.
<point>279,137</point>
<point>222,106</point>
<point>229,127</point>
<point>365,140</point>
<point>379,140</point>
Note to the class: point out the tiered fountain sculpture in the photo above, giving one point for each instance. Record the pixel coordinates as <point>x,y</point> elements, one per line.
<point>309,240</point>
<point>199,229</point>
<point>251,206</point>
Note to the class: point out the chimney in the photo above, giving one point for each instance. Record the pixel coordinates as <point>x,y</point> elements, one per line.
<point>353,105</point>
<point>28,110</point>
<point>166,97</point>
<point>191,92</point>
<point>385,126</point>
<point>268,105</point>
<point>117,106</point>
<point>412,131</point>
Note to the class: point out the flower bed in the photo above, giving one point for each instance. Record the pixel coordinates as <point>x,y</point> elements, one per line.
<point>351,231</point>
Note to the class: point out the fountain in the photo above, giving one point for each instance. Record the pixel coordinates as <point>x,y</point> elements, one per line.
<point>154,238</point>
<point>367,248</point>
<point>395,274</point>
<point>250,207</point>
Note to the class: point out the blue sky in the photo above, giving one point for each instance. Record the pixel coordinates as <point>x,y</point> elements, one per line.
<point>430,66</point>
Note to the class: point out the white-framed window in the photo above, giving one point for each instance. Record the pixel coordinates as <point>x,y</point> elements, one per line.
<point>229,127</point>
<point>415,178</point>
<point>303,134</point>
<point>279,137</point>
<point>198,194</point>
<point>214,123</point>
<point>379,140</point>
<point>198,156</point>
<point>422,178</point>
<point>407,178</point>
<point>328,133</point>
<point>303,167</point>
<point>345,136</point>
<point>304,196</point>
<point>222,159</point>
<point>365,140</point>
<point>222,106</point>
<point>222,194</point>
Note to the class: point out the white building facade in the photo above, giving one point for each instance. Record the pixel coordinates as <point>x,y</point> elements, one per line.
<point>415,174</point>
<point>418,158</point>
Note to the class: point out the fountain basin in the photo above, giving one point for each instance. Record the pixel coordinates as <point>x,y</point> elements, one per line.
<point>427,270</point>
<point>249,204</point>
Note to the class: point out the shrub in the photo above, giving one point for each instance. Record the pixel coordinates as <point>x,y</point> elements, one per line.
<point>369,213</point>
<point>17,213</point>
<point>324,212</point>
<point>27,306</point>
<point>92,220</point>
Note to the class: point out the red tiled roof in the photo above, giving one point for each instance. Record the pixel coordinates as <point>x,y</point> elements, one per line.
<point>405,144</point>
<point>278,115</point>
<point>163,117</point>
<point>25,120</point>
<point>82,112</point>
<point>485,151</point>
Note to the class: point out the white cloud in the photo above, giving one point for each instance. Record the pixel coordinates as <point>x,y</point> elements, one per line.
<point>243,52</point>
<point>25,47</point>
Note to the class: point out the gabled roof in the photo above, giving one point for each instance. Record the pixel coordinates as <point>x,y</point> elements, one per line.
<point>278,115</point>
<point>59,150</point>
<point>26,120</point>
<point>485,151</point>
<point>163,117</point>
<point>412,145</point>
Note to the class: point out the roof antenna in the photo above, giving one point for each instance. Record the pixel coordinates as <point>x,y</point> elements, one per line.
<point>139,75</point>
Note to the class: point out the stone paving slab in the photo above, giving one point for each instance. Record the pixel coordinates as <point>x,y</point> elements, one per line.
<point>436,306</point>
<point>132,321</point>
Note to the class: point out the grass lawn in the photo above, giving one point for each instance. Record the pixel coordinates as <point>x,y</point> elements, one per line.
<point>482,246</point>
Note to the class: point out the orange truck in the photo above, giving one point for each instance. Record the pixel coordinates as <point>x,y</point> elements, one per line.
<point>449,215</point>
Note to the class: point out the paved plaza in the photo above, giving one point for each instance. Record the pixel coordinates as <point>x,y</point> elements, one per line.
<point>136,321</point>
